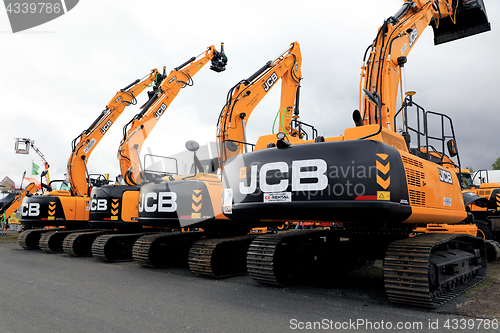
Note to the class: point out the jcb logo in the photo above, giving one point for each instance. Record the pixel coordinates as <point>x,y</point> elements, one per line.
<point>98,204</point>
<point>106,126</point>
<point>315,169</point>
<point>270,81</point>
<point>162,202</point>
<point>445,176</point>
<point>31,209</point>
<point>160,110</point>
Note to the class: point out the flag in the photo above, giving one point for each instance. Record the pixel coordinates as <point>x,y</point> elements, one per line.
<point>35,169</point>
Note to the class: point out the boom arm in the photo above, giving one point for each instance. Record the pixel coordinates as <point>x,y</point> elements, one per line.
<point>244,97</point>
<point>162,95</point>
<point>7,210</point>
<point>84,144</point>
<point>381,74</point>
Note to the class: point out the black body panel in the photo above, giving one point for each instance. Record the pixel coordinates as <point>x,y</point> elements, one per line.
<point>185,203</point>
<point>106,207</point>
<point>45,211</point>
<point>344,181</point>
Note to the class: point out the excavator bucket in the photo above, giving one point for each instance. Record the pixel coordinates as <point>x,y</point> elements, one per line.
<point>470,19</point>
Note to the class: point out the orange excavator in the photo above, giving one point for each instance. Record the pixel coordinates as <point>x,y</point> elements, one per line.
<point>114,208</point>
<point>374,179</point>
<point>160,98</point>
<point>15,202</point>
<point>195,200</point>
<point>69,205</point>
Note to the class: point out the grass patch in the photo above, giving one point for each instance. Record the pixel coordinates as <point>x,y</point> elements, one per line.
<point>493,274</point>
<point>9,238</point>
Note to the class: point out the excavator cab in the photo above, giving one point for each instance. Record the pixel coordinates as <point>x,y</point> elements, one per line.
<point>209,166</point>
<point>469,19</point>
<point>60,185</point>
<point>98,180</point>
<point>157,167</point>
<point>428,134</point>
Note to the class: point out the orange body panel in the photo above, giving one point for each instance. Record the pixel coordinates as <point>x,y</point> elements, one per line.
<point>130,206</point>
<point>75,208</point>
<point>469,229</point>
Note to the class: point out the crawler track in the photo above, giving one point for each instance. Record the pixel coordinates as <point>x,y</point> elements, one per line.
<point>30,239</point>
<point>164,249</point>
<point>429,270</point>
<point>79,244</point>
<point>219,257</point>
<point>280,259</point>
<point>52,242</point>
<point>493,249</point>
<point>115,247</point>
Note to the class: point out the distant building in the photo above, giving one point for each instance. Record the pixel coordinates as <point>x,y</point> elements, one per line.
<point>7,184</point>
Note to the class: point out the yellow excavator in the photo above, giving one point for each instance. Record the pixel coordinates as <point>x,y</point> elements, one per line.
<point>374,179</point>
<point>68,203</point>
<point>114,208</point>
<point>486,216</point>
<point>195,200</point>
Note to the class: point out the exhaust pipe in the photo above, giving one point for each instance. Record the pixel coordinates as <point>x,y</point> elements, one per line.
<point>356,116</point>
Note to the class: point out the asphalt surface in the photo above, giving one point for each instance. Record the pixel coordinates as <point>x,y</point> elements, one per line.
<point>42,292</point>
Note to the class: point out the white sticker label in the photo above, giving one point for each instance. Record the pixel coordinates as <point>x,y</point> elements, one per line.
<point>413,36</point>
<point>278,197</point>
<point>403,49</point>
<point>446,201</point>
<point>89,146</point>
<point>228,201</point>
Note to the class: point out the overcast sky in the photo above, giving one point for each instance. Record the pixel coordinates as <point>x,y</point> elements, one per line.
<point>55,79</point>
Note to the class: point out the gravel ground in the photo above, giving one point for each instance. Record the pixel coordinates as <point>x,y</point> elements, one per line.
<point>481,301</point>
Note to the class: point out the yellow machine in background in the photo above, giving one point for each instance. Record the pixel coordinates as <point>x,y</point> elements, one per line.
<point>487,213</point>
